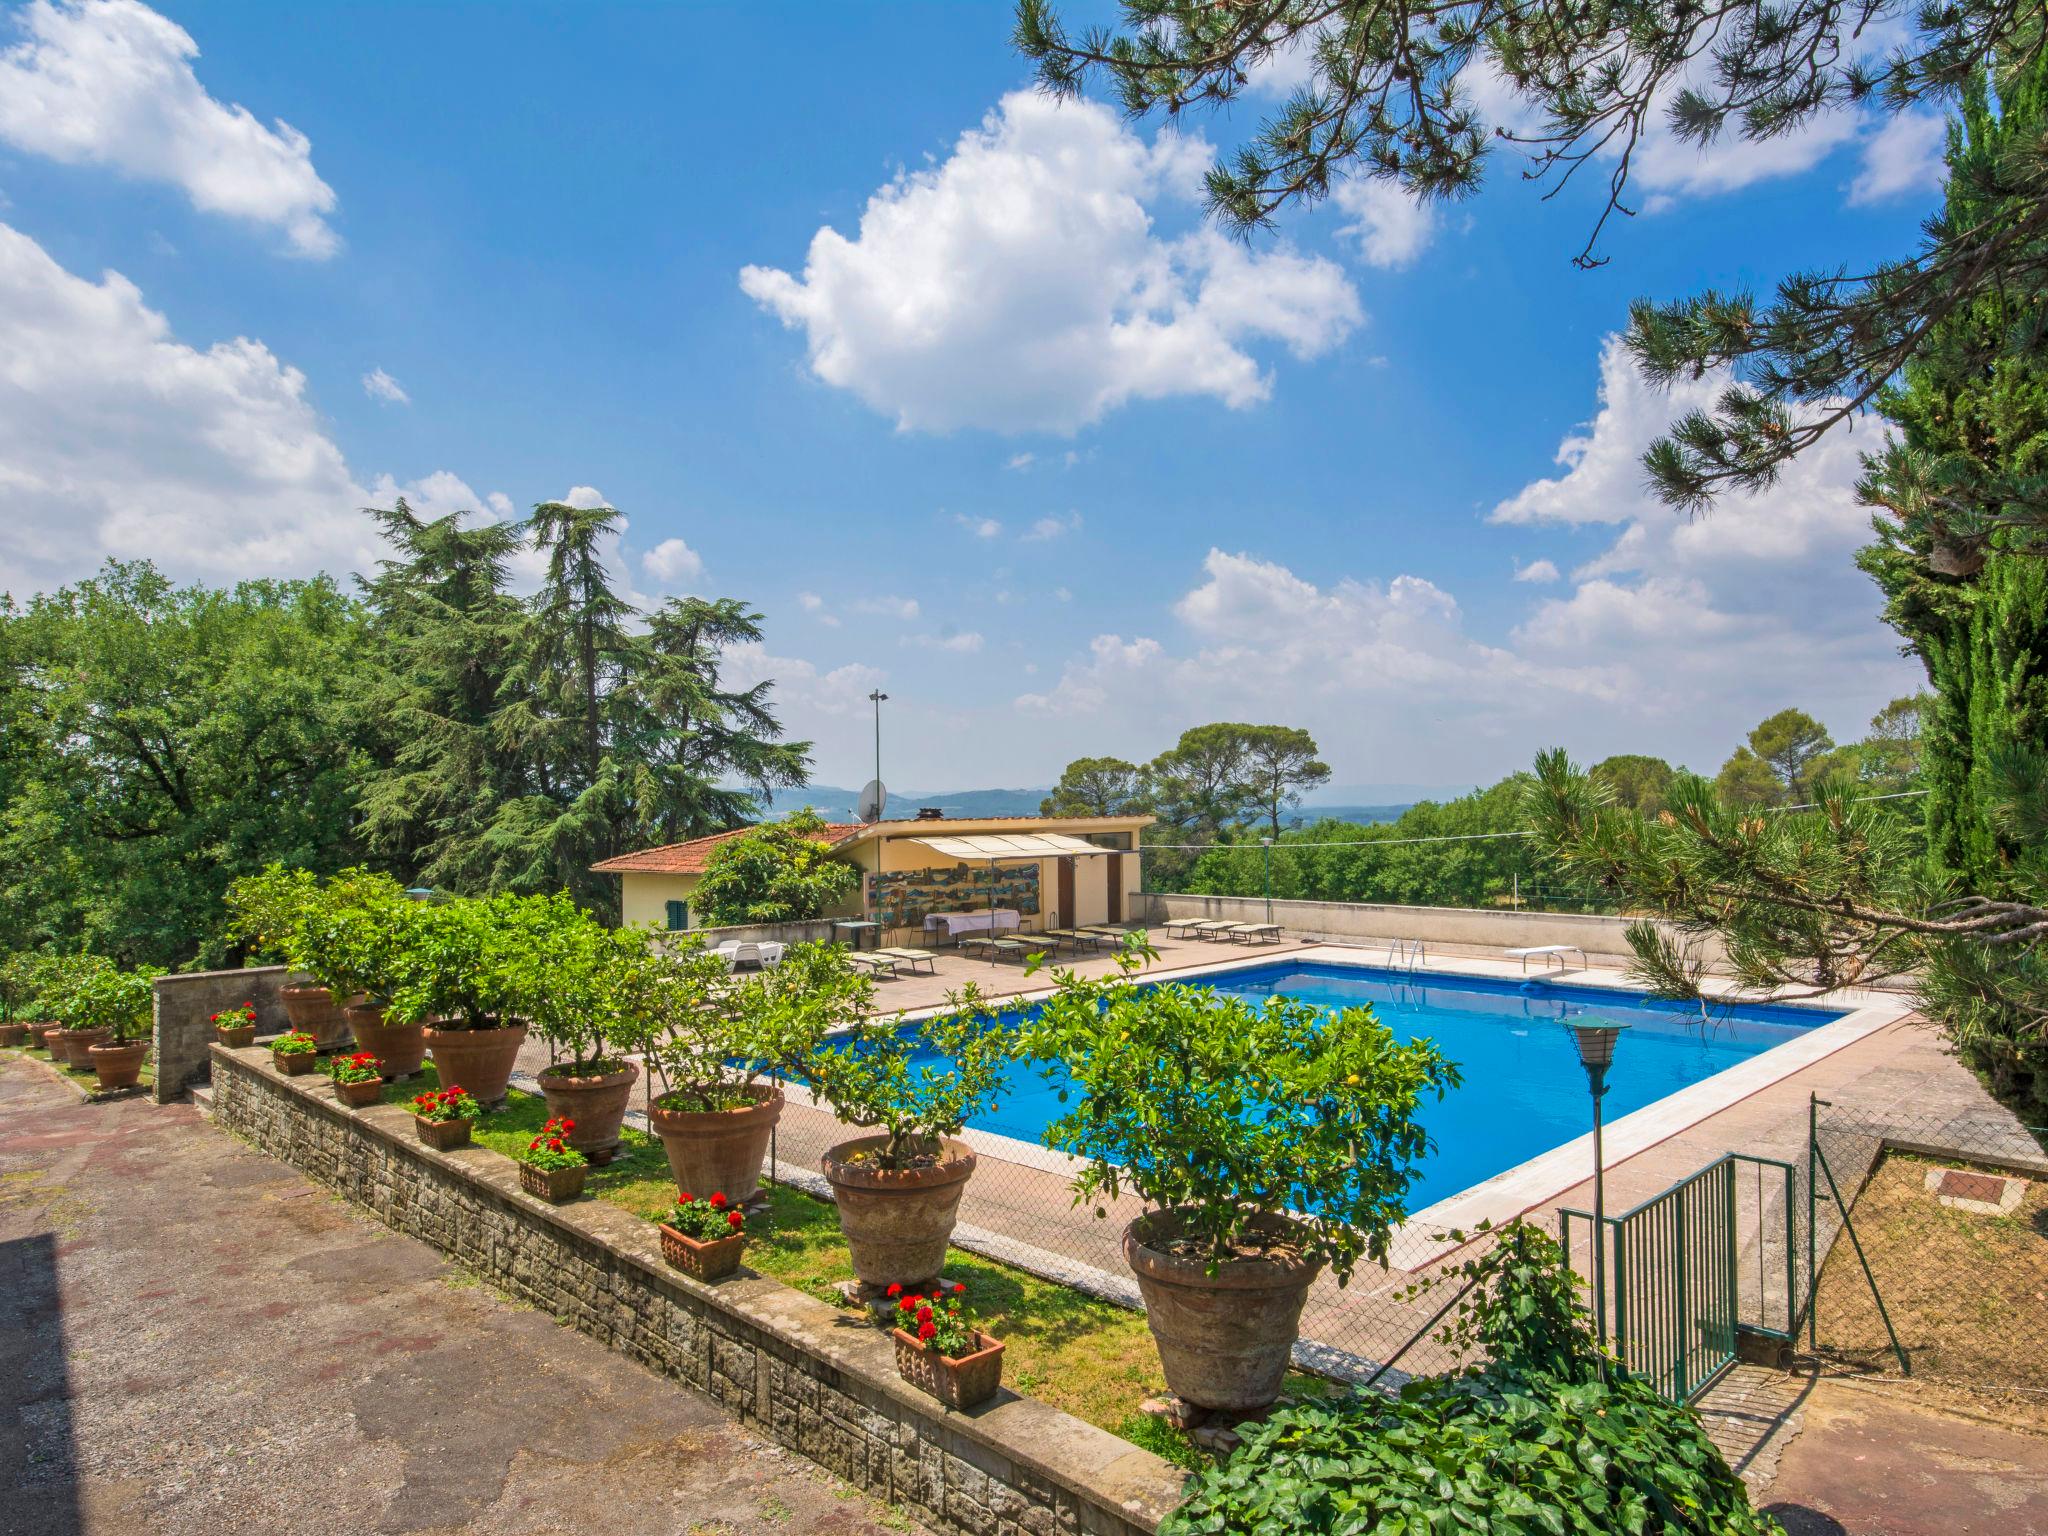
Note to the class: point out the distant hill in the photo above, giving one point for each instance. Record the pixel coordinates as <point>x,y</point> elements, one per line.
<point>1366,815</point>
<point>837,803</point>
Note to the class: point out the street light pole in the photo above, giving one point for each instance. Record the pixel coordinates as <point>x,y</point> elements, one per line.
<point>1595,1037</point>
<point>878,699</point>
<point>1267,844</point>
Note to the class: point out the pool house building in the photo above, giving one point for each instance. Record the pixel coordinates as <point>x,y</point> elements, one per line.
<point>930,878</point>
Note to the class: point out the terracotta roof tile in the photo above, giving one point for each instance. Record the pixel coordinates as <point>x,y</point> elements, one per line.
<point>688,858</point>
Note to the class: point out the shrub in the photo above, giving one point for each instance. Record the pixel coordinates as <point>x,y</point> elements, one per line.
<point>110,999</point>
<point>264,911</point>
<point>877,1073</point>
<point>1546,1437</point>
<point>1238,1116</point>
<point>349,934</point>
<point>781,872</point>
<point>697,1023</point>
<point>579,985</point>
<point>456,965</point>
<point>50,985</point>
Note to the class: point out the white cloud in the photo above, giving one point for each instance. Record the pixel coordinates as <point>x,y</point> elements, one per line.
<point>810,602</point>
<point>110,82</point>
<point>1391,227</point>
<point>1903,158</point>
<point>1021,461</point>
<point>888,607</point>
<point>587,497</point>
<point>1052,527</point>
<point>379,385</point>
<point>501,504</point>
<point>436,495</point>
<point>965,643</point>
<point>672,560</point>
<point>1020,285</point>
<point>1537,571</point>
<point>980,527</point>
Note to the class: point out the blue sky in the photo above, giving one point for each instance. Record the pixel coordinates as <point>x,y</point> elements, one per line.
<point>955,386</point>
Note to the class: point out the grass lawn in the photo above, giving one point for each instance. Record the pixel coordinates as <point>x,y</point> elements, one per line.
<point>1089,1357</point>
<point>1966,1290</point>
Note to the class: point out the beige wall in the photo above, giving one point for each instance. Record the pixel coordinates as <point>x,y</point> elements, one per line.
<point>645,898</point>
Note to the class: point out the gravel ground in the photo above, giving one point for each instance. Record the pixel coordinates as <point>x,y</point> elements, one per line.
<point>195,1339</point>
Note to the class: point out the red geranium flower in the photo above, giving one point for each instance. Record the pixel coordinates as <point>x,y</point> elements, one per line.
<point>925,1330</point>
<point>683,1198</point>
<point>718,1200</point>
<point>734,1218</point>
<point>906,1303</point>
<point>958,1288</point>
<point>895,1290</point>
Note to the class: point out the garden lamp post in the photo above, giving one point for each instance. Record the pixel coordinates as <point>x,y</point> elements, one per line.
<point>1267,844</point>
<point>878,699</point>
<point>1595,1037</point>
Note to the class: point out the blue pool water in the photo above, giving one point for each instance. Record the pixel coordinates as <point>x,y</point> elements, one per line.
<point>1524,1091</point>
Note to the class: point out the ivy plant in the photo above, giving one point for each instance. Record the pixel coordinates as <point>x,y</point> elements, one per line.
<point>1240,1119</point>
<point>1545,1438</point>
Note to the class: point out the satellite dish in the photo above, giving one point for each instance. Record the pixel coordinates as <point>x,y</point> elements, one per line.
<point>873,799</point>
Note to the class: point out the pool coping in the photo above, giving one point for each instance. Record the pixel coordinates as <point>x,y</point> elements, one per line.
<point>1445,1225</point>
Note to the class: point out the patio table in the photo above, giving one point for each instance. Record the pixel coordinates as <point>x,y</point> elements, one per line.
<point>1001,920</point>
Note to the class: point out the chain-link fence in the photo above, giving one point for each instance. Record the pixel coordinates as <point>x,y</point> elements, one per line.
<point>1020,1211</point>
<point>1930,1236</point>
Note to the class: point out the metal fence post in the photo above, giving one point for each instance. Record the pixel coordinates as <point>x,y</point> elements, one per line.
<point>1812,1209</point>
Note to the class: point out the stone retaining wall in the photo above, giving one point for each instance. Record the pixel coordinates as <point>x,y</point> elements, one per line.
<point>182,1031</point>
<point>789,1365</point>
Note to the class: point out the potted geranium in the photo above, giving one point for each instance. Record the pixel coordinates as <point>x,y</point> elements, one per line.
<point>941,1350</point>
<point>578,985</point>
<point>458,971</point>
<point>898,1190</point>
<point>235,1027</point>
<point>444,1118</point>
<point>550,1166</point>
<point>703,1238</point>
<point>1270,1142</point>
<point>705,1042</point>
<point>295,1052</point>
<point>349,940</point>
<point>358,1079</point>
<point>268,912</point>
<point>117,1006</point>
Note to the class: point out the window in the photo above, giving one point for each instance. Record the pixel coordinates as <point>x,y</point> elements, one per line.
<point>678,916</point>
<point>1121,841</point>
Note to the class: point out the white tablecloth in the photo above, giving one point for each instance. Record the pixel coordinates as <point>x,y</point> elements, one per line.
<point>1002,920</point>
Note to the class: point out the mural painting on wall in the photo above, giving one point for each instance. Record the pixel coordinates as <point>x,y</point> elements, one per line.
<point>902,897</point>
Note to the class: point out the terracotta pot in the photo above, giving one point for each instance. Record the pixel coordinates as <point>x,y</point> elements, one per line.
<point>119,1065</point>
<point>360,1095</point>
<point>897,1225</point>
<point>597,1104</point>
<point>553,1184</point>
<point>718,1151</point>
<point>443,1134</point>
<point>76,1042</point>
<point>51,1038</point>
<point>1223,1339</point>
<point>957,1383</point>
<point>13,1034</point>
<point>236,1038</point>
<point>315,1011</point>
<point>295,1063</point>
<point>477,1059</point>
<point>712,1260</point>
<point>400,1048</point>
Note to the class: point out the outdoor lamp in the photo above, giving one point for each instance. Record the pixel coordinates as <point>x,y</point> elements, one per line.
<point>1595,1037</point>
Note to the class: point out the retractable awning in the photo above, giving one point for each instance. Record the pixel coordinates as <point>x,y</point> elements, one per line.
<point>1009,845</point>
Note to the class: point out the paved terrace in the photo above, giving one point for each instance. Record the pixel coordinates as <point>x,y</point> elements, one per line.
<point>196,1341</point>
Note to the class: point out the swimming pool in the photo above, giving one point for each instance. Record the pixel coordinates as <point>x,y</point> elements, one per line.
<point>1523,1092</point>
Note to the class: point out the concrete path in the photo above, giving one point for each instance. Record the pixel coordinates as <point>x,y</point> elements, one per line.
<point>1871,1465</point>
<point>194,1339</point>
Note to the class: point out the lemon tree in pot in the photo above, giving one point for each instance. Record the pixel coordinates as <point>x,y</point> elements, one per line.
<point>579,986</point>
<point>64,999</point>
<point>117,1005</point>
<point>898,1189</point>
<point>1271,1142</point>
<point>705,1042</point>
<point>457,972</point>
<point>17,996</point>
<point>349,938</point>
<point>267,912</point>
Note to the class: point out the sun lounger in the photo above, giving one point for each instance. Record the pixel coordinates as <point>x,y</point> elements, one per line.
<point>1207,928</point>
<point>874,963</point>
<point>910,957</point>
<point>1254,933</point>
<point>1185,925</point>
<point>1076,938</point>
<point>1114,935</point>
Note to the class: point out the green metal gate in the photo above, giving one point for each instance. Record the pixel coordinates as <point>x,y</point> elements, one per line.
<point>1677,1264</point>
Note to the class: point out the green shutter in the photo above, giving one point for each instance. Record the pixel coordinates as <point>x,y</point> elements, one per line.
<point>678,916</point>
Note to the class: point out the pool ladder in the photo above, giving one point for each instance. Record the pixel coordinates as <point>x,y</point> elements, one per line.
<point>1408,955</point>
